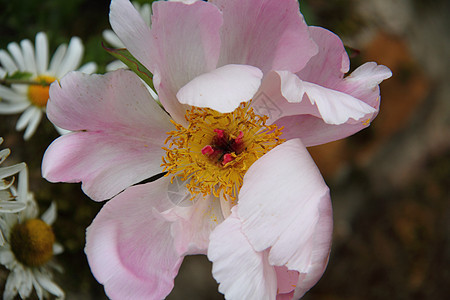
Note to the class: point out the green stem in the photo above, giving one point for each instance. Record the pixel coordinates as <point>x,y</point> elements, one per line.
<point>22,81</point>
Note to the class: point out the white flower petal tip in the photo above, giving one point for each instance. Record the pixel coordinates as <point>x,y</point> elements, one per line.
<point>222,89</point>
<point>333,106</point>
<point>371,73</point>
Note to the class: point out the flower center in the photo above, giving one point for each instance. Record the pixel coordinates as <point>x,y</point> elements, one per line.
<point>32,242</point>
<point>215,150</point>
<point>38,94</point>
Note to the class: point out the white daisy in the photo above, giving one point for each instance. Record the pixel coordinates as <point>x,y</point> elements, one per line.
<point>32,99</point>
<point>27,253</point>
<point>145,10</point>
<point>7,180</point>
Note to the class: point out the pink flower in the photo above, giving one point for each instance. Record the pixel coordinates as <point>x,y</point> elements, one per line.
<point>236,190</point>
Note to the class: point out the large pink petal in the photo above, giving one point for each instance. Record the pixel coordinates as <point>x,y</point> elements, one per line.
<point>334,107</point>
<point>194,223</point>
<point>268,34</point>
<point>120,131</point>
<point>186,43</point>
<point>284,205</point>
<point>328,67</point>
<point>129,244</point>
<point>222,89</point>
<point>242,272</point>
<point>318,114</point>
<point>321,244</point>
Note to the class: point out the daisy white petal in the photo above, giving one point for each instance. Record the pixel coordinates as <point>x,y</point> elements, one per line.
<point>11,95</point>
<point>7,62</point>
<point>28,53</point>
<point>57,58</point>
<point>41,52</point>
<point>17,55</point>
<point>33,124</point>
<point>72,58</point>
<point>49,216</point>
<point>6,108</point>
<point>88,68</point>
<point>49,285</point>
<point>25,118</point>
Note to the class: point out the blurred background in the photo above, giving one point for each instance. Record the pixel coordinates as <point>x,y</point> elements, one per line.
<point>390,183</point>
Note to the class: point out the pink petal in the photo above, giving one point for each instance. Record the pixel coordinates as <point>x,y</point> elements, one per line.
<point>270,35</point>
<point>242,272</point>
<point>304,109</point>
<point>284,205</point>
<point>181,50</point>
<point>222,89</point>
<point>129,245</point>
<point>287,280</point>
<point>363,83</point>
<point>313,131</point>
<point>333,107</point>
<point>193,224</point>
<point>328,67</point>
<point>320,254</point>
<point>120,132</point>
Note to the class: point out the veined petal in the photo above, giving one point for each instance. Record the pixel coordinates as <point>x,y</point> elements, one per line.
<point>333,107</point>
<point>222,89</point>
<point>193,224</point>
<point>309,111</point>
<point>121,132</point>
<point>363,82</point>
<point>242,272</point>
<point>321,244</point>
<point>182,50</point>
<point>284,205</point>
<point>328,67</point>
<point>129,245</point>
<point>268,34</point>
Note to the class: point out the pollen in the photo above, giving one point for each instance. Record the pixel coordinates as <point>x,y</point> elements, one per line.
<point>214,151</point>
<point>32,242</point>
<point>38,93</point>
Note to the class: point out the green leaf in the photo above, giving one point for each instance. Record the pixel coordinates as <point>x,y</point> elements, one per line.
<point>19,76</point>
<point>124,56</point>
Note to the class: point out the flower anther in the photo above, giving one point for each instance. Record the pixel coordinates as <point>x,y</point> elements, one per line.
<point>216,149</point>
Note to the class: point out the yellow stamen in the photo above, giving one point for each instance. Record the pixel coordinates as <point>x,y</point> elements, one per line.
<point>38,94</point>
<point>215,150</point>
<point>32,242</point>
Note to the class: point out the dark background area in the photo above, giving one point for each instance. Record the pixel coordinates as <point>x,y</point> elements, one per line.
<point>389,183</point>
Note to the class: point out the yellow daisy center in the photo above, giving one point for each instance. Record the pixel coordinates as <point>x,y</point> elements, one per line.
<point>215,150</point>
<point>32,242</point>
<point>38,94</point>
